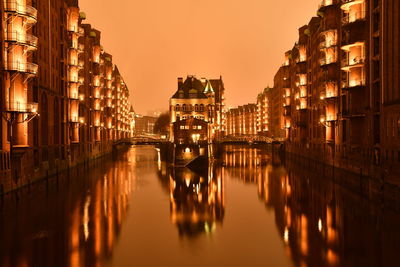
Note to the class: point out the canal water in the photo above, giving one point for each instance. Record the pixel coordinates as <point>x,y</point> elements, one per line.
<point>251,211</point>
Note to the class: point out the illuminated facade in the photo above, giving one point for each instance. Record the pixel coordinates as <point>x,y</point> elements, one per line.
<point>200,99</point>
<point>263,112</point>
<point>197,202</point>
<point>242,120</point>
<point>63,100</point>
<point>341,105</point>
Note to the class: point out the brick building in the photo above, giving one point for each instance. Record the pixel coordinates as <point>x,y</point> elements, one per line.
<point>63,100</point>
<point>201,99</point>
<point>342,88</point>
<point>242,120</point>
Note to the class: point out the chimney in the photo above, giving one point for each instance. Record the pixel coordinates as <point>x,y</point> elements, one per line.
<point>180,82</point>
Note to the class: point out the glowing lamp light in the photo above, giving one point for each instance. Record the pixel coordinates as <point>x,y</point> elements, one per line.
<point>320,225</point>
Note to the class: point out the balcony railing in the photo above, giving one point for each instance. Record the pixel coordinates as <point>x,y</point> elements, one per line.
<point>327,60</point>
<point>73,63</point>
<point>25,39</point>
<point>353,112</point>
<point>353,17</point>
<point>347,3</point>
<point>74,95</point>
<point>73,79</point>
<point>76,119</point>
<point>21,107</point>
<point>327,44</point>
<point>325,3</point>
<point>353,83</point>
<point>328,94</point>
<point>24,10</point>
<point>349,63</point>
<point>27,67</point>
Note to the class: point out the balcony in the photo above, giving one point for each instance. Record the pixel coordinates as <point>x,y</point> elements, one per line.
<point>77,119</point>
<point>73,79</point>
<point>21,107</point>
<point>23,10</point>
<point>73,63</point>
<point>327,44</point>
<point>23,39</point>
<point>324,4</point>
<point>349,18</point>
<point>74,95</point>
<point>29,68</point>
<point>346,4</point>
<point>328,94</point>
<point>353,113</point>
<point>356,62</point>
<point>354,83</point>
<point>327,61</point>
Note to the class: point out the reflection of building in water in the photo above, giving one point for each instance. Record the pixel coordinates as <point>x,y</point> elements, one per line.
<point>197,201</point>
<point>244,162</point>
<point>321,224</point>
<point>76,222</point>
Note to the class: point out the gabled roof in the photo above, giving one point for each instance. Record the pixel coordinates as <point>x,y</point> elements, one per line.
<point>190,88</point>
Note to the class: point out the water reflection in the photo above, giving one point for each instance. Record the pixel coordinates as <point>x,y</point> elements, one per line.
<point>196,199</point>
<point>74,220</point>
<point>77,220</point>
<point>320,223</point>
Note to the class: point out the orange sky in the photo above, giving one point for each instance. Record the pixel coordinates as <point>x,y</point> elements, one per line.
<point>155,41</point>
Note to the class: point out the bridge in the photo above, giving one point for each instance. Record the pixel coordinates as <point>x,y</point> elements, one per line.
<point>141,140</point>
<point>250,139</point>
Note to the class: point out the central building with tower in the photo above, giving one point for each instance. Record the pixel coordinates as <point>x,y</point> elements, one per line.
<point>197,101</point>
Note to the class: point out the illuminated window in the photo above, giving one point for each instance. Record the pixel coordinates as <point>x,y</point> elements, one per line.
<point>199,127</point>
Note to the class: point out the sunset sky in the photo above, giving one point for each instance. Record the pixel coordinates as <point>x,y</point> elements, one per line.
<point>155,41</point>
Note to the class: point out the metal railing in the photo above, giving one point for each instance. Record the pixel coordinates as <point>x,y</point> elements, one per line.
<point>25,10</point>
<point>353,83</point>
<point>325,3</point>
<point>26,39</point>
<point>353,17</point>
<point>347,62</point>
<point>327,60</point>
<point>21,107</point>
<point>27,67</point>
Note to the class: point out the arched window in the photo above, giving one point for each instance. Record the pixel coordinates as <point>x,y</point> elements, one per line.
<point>177,107</point>
<point>196,107</point>
<point>201,107</point>
<point>184,107</point>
